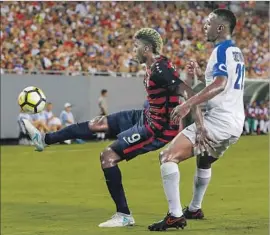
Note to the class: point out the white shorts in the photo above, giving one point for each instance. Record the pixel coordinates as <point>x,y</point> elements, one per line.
<point>55,121</point>
<point>223,138</point>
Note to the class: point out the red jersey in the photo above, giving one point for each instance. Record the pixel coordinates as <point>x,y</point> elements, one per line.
<point>158,81</point>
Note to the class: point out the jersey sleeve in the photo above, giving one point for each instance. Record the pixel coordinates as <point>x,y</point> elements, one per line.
<point>165,75</point>
<point>220,67</point>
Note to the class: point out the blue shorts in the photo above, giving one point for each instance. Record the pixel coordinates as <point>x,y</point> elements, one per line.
<point>133,137</point>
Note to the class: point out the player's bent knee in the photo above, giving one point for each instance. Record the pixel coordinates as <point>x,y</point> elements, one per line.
<point>167,156</point>
<point>108,158</point>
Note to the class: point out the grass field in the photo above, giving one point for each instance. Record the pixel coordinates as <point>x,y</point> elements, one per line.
<point>62,192</point>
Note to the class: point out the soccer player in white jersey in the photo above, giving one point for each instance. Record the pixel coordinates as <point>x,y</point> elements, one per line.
<point>223,121</point>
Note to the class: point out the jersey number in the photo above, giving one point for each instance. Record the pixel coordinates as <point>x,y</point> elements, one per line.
<point>240,71</point>
<point>133,138</point>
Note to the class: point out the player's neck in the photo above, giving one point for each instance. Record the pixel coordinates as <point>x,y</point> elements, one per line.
<point>222,39</point>
<point>151,60</point>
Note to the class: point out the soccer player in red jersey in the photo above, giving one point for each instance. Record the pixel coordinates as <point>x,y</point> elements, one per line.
<point>137,131</point>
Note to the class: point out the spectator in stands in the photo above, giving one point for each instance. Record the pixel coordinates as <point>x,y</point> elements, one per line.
<point>96,36</point>
<point>39,120</point>
<point>67,119</point>
<point>252,117</point>
<point>52,121</point>
<point>246,130</point>
<point>263,118</point>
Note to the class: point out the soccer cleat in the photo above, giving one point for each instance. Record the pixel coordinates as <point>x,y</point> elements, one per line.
<point>34,134</point>
<point>198,214</point>
<point>169,222</point>
<point>118,220</point>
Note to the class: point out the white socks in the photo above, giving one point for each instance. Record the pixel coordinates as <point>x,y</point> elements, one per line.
<point>171,178</point>
<point>201,181</point>
<point>101,135</point>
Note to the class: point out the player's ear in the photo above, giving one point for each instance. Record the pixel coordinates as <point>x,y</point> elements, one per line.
<point>220,28</point>
<point>146,48</point>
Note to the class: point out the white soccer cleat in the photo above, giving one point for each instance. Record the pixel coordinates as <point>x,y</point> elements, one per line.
<point>34,134</point>
<point>118,220</point>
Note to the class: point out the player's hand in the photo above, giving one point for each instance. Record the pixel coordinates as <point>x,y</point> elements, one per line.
<point>179,112</point>
<point>204,142</point>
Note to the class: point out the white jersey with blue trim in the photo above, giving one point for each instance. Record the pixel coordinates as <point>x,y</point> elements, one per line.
<point>227,108</point>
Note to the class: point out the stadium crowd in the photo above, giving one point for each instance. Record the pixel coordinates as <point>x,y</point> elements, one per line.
<point>97,36</point>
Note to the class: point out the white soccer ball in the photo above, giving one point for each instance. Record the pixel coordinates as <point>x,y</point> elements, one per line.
<point>32,100</point>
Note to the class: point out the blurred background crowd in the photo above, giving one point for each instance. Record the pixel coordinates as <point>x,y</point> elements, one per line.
<point>97,36</point>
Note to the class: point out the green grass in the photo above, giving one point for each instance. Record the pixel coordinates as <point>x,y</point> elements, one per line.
<point>62,192</point>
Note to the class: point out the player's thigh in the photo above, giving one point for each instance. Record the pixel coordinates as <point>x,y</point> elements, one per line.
<point>178,150</point>
<point>135,141</point>
<point>122,121</point>
<point>222,138</point>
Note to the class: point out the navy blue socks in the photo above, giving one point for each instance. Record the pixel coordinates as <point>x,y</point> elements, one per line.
<point>114,183</point>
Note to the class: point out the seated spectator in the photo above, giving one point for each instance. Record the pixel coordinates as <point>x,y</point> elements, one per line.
<point>40,122</point>
<point>66,115</point>
<point>67,119</point>
<point>53,122</point>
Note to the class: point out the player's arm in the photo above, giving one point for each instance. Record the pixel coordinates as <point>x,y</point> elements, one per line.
<point>206,94</point>
<point>202,138</point>
<point>209,92</point>
<point>182,89</point>
<point>220,77</point>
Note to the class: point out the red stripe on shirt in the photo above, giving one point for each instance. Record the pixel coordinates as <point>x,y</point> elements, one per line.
<point>170,132</point>
<point>138,146</point>
<point>155,91</point>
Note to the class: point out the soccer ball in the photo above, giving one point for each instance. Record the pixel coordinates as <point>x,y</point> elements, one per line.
<point>32,100</point>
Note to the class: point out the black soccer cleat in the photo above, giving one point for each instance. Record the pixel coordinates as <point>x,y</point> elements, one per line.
<point>169,222</point>
<point>198,214</point>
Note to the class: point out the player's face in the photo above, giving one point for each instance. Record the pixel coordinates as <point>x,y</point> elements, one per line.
<point>211,28</point>
<point>139,51</point>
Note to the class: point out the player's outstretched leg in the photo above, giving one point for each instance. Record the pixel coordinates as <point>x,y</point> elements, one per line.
<point>112,173</point>
<point>179,150</point>
<point>84,130</point>
<point>201,181</point>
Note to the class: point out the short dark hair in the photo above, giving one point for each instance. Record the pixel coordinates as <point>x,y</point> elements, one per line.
<point>103,91</point>
<point>228,16</point>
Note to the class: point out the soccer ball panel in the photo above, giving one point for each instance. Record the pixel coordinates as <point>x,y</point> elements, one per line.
<point>42,94</point>
<point>30,88</point>
<point>41,106</point>
<point>33,98</point>
<point>28,109</point>
<point>21,98</point>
